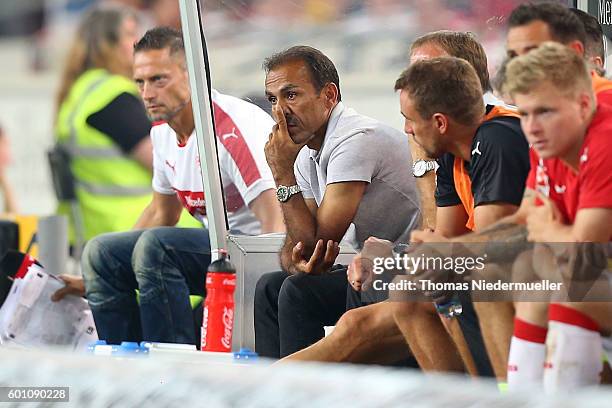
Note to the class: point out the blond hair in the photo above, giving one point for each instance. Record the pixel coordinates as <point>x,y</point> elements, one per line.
<point>445,85</point>
<point>95,46</point>
<point>551,62</point>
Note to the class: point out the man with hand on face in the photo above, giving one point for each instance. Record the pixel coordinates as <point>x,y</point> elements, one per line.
<point>168,264</point>
<point>338,174</point>
<point>371,334</point>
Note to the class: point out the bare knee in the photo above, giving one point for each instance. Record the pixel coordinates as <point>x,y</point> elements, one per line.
<point>522,268</point>
<point>355,322</point>
<point>403,311</point>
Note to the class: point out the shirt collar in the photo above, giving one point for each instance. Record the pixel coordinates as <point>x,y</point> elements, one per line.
<point>331,127</point>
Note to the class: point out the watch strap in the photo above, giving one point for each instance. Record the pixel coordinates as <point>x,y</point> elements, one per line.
<point>294,189</point>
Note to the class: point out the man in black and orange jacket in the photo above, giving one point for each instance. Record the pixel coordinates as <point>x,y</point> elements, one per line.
<point>484,162</point>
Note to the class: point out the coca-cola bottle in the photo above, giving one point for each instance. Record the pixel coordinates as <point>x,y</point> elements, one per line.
<point>218,320</point>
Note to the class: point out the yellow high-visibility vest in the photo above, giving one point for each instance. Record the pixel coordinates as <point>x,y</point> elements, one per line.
<point>112,188</point>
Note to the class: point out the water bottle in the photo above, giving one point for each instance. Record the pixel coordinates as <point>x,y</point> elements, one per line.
<point>451,308</point>
<point>218,319</point>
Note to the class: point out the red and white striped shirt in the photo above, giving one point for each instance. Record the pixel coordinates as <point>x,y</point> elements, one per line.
<point>242,130</point>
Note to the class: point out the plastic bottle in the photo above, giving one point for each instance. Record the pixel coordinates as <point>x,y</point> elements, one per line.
<point>218,320</point>
<point>245,355</point>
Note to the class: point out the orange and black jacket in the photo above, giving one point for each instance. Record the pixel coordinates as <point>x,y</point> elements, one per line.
<point>496,172</point>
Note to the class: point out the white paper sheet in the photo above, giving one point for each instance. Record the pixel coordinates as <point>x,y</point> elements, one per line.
<point>28,317</point>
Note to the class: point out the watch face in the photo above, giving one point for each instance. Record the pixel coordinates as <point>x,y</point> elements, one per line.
<point>282,193</point>
<point>419,168</point>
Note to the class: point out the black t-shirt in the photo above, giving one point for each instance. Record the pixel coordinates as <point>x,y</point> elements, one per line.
<point>498,168</point>
<point>124,120</point>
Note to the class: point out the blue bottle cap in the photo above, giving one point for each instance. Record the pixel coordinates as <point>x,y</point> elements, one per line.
<point>245,354</point>
<point>129,345</point>
<point>130,348</point>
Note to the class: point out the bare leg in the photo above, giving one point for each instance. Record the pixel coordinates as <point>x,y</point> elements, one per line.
<point>363,335</point>
<point>454,330</point>
<point>533,312</point>
<point>497,318</point>
<point>496,324</point>
<point>429,341</point>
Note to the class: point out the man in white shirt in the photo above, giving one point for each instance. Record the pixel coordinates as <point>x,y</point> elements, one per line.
<point>244,171</point>
<point>167,264</point>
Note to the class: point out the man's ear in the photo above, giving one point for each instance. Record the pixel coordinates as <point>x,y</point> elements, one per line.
<point>330,92</point>
<point>587,103</point>
<point>577,46</point>
<point>441,122</point>
<point>597,62</point>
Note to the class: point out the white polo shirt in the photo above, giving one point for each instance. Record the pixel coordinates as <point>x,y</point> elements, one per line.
<point>358,148</point>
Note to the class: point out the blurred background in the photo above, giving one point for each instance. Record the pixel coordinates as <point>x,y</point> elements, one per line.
<point>367,39</point>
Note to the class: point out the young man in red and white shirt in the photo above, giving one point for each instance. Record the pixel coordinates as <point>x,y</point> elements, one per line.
<point>167,264</point>
<point>571,171</point>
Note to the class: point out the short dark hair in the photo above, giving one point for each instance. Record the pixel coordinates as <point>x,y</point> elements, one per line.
<point>594,44</point>
<point>160,38</point>
<point>461,45</point>
<point>321,68</point>
<point>447,85</point>
<point>500,76</point>
<point>564,25</point>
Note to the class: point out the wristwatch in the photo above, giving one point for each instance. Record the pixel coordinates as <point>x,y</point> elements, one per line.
<point>421,167</point>
<point>284,193</point>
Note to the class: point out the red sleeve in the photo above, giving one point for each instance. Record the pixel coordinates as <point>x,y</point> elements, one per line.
<point>595,175</point>
<point>533,167</point>
<point>232,139</point>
